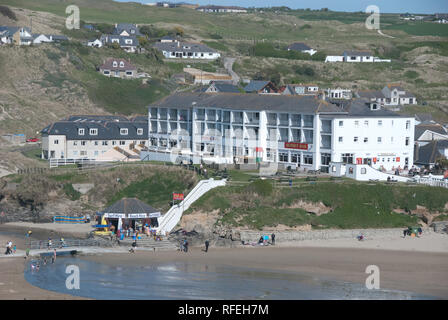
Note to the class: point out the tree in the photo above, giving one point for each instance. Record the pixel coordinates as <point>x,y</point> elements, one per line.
<point>179,31</point>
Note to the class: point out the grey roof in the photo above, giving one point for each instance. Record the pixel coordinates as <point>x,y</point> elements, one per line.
<point>361,108</point>
<point>299,46</point>
<point>242,101</point>
<point>59,37</point>
<point>428,154</point>
<point>255,85</point>
<point>423,117</point>
<point>434,127</point>
<point>107,130</point>
<point>127,27</point>
<point>86,118</point>
<point>370,94</point>
<point>9,30</point>
<point>107,38</point>
<point>130,205</point>
<point>226,87</point>
<point>357,53</point>
<point>183,47</point>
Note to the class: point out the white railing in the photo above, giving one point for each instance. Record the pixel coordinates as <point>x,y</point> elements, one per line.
<point>431,181</point>
<point>54,163</point>
<point>170,219</point>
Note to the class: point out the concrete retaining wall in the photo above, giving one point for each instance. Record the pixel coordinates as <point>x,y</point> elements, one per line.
<point>285,236</point>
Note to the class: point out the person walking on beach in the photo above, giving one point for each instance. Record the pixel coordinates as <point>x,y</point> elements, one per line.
<point>206,245</point>
<point>273,238</point>
<point>54,256</point>
<point>419,230</point>
<point>49,244</point>
<point>185,245</point>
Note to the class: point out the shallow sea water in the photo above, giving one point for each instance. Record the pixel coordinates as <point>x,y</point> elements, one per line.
<point>169,281</point>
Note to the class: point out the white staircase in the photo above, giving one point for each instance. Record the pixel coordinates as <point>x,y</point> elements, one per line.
<point>170,219</point>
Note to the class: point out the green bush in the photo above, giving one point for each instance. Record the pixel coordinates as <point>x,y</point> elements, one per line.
<point>261,187</point>
<point>71,192</point>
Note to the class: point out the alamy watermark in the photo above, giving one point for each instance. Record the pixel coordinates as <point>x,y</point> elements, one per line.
<point>373,21</point>
<point>373,280</point>
<point>73,20</point>
<point>73,280</point>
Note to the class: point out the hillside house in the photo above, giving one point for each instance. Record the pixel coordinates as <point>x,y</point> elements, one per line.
<point>223,87</point>
<point>339,93</point>
<point>126,30</point>
<point>261,87</point>
<point>429,131</point>
<point>427,155</point>
<point>119,68</point>
<point>97,43</point>
<point>390,95</point>
<point>221,9</point>
<point>48,38</point>
<point>91,137</point>
<point>15,35</point>
<point>127,43</point>
<point>301,89</point>
<point>301,47</point>
<point>186,50</point>
<point>357,56</point>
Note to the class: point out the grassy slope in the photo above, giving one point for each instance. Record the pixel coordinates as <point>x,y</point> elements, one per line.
<point>150,183</point>
<point>257,205</point>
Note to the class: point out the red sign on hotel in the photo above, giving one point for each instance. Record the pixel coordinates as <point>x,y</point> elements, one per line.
<point>296,145</point>
<point>178,196</point>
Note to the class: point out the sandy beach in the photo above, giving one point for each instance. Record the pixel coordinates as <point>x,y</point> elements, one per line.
<point>418,265</point>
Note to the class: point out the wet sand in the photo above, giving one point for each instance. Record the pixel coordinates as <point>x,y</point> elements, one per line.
<point>13,285</point>
<point>424,273</point>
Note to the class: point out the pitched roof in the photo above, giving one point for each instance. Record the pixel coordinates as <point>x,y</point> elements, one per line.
<point>242,101</point>
<point>298,46</point>
<point>107,130</point>
<point>130,205</point>
<point>256,85</point>
<point>183,47</point>
<point>357,53</point>
<point>423,117</point>
<point>122,65</point>
<point>428,154</point>
<point>225,87</point>
<point>393,86</point>
<point>434,127</point>
<point>126,27</point>
<point>371,94</point>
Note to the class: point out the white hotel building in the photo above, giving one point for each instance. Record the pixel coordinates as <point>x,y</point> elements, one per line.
<point>297,131</point>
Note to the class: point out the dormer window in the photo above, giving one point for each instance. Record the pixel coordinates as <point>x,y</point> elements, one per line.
<point>124,132</point>
<point>140,131</point>
<point>121,64</point>
<point>93,132</point>
<point>81,131</point>
<point>115,64</point>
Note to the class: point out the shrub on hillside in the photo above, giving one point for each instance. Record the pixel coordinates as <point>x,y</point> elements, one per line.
<point>7,12</point>
<point>261,187</point>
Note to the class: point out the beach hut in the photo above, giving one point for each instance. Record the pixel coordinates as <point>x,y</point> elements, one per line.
<point>130,213</point>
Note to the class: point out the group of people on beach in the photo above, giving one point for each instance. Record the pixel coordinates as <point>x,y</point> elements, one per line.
<point>10,248</point>
<point>35,264</point>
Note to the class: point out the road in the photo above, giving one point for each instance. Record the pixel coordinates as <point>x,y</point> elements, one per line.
<point>228,64</point>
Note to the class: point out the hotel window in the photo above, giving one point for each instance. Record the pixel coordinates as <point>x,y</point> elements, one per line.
<point>308,159</point>
<point>105,143</point>
<point>95,143</point>
<point>366,140</point>
<point>295,157</point>
<point>114,142</point>
<point>391,139</point>
<point>124,132</point>
<point>56,142</point>
<point>347,158</point>
<point>95,153</point>
<point>140,131</point>
<point>408,124</point>
<point>355,139</point>
<point>83,153</point>
<point>75,153</point>
<point>122,143</point>
<point>81,131</point>
<point>75,143</point>
<point>341,123</point>
<point>366,123</point>
<point>340,139</point>
<point>356,122</point>
<point>83,143</point>
<point>380,123</point>
<point>283,156</point>
<point>407,141</point>
<point>379,139</point>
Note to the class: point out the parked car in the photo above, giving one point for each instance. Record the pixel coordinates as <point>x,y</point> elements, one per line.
<point>32,140</point>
